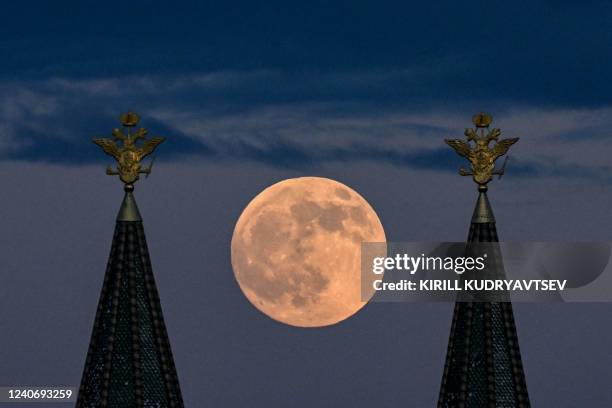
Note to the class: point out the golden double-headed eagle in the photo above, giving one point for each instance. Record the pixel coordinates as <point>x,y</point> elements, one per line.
<point>481,156</point>
<point>129,155</point>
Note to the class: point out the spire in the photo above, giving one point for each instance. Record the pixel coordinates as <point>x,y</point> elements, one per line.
<point>483,365</point>
<point>129,363</point>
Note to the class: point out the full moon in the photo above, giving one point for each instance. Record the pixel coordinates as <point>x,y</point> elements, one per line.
<point>296,251</point>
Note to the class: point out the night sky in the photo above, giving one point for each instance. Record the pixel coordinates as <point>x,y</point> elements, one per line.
<point>247,95</point>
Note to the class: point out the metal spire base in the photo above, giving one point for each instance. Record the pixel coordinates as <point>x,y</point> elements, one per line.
<point>483,214</point>
<point>129,209</point>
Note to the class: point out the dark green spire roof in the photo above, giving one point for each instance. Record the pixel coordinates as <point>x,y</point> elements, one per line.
<point>129,363</point>
<point>483,362</point>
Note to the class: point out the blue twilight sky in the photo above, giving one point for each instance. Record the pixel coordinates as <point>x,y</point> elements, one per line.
<point>249,94</point>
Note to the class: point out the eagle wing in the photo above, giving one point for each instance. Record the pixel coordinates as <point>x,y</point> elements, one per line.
<point>461,147</point>
<point>503,145</point>
<point>109,147</point>
<point>148,146</point>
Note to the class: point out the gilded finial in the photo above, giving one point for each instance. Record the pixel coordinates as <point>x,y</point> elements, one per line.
<point>481,156</point>
<point>130,154</point>
<point>129,119</point>
<point>482,120</point>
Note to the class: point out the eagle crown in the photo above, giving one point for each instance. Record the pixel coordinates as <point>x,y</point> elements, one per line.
<point>480,155</point>
<point>129,155</point>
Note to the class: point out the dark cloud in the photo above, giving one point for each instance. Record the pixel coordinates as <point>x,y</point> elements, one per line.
<point>54,120</point>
